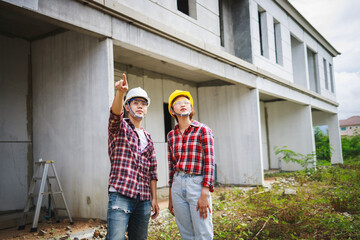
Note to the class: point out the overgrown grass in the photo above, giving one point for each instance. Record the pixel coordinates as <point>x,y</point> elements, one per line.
<point>326,206</point>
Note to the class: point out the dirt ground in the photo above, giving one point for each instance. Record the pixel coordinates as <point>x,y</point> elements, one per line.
<point>53,230</point>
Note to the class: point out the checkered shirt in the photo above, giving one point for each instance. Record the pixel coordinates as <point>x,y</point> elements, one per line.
<point>192,152</point>
<point>131,169</point>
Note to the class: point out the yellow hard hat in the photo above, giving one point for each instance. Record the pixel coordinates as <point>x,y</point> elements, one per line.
<point>176,94</point>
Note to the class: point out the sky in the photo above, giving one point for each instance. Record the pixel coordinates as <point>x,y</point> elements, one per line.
<point>339,22</point>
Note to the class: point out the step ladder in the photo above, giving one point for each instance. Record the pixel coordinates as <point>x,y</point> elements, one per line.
<point>45,179</point>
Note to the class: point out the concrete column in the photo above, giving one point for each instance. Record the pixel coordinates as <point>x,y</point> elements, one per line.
<point>332,121</point>
<point>335,139</point>
<point>15,123</point>
<point>71,77</point>
<point>289,125</point>
<point>264,136</point>
<point>232,112</point>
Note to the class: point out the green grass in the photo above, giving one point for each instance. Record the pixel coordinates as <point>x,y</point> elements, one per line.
<point>326,206</point>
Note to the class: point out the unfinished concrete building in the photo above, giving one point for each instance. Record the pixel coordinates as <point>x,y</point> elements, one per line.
<point>260,73</point>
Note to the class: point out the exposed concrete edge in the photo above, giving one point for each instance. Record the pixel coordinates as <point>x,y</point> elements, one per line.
<point>294,14</point>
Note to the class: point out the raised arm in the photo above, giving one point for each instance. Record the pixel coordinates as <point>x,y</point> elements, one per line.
<point>121,89</point>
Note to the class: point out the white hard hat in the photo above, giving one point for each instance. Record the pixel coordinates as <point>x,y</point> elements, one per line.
<point>137,93</point>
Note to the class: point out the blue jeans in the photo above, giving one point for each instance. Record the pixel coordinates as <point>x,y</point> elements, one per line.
<point>185,192</point>
<point>129,214</point>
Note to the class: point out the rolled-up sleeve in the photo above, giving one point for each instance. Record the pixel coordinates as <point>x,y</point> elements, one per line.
<point>171,164</point>
<point>153,167</point>
<point>209,158</point>
<point>115,122</point>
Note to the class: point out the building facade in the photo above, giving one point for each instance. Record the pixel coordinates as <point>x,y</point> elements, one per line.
<point>350,126</point>
<point>260,74</point>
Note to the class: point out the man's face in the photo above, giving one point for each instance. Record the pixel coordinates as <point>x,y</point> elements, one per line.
<point>139,106</point>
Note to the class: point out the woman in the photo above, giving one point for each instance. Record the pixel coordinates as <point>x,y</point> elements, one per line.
<point>191,169</point>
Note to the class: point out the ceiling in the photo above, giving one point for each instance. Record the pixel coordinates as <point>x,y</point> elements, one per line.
<point>126,56</point>
<point>15,22</point>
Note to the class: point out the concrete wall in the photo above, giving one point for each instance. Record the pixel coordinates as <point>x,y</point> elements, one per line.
<point>159,87</point>
<point>30,4</point>
<point>268,63</point>
<point>71,77</point>
<point>15,123</point>
<point>233,113</point>
<point>204,26</point>
<point>294,65</point>
<point>290,125</point>
<point>331,120</point>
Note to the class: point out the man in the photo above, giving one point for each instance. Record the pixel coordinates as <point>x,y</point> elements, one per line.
<point>133,174</point>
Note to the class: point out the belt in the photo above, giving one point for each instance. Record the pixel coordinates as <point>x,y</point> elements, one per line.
<point>182,173</point>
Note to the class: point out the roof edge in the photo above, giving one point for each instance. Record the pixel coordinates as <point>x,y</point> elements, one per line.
<point>301,20</point>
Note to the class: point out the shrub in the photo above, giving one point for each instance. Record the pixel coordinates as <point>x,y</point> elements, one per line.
<point>351,147</point>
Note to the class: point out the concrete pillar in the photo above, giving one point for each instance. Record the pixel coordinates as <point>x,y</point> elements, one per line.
<point>72,74</point>
<point>15,123</point>
<point>332,121</point>
<point>232,112</point>
<point>290,125</point>
<point>335,139</point>
<point>264,137</point>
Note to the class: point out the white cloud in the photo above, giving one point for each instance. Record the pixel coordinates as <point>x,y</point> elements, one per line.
<point>347,94</point>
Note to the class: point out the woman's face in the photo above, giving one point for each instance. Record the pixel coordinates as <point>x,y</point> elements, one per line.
<point>182,105</point>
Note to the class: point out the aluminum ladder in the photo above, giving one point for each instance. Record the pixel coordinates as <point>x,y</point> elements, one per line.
<point>45,179</point>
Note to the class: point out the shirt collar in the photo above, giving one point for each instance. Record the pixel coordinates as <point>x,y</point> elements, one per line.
<point>194,124</point>
<point>133,127</point>
<point>130,123</point>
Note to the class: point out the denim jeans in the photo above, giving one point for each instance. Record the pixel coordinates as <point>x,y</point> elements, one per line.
<point>129,214</point>
<point>185,192</point>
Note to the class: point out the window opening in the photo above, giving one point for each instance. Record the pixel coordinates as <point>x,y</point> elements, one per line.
<point>264,49</point>
<point>312,70</point>
<point>331,78</point>
<point>325,74</point>
<point>183,6</point>
<point>221,19</point>
<point>168,120</point>
<point>278,44</point>
<point>260,33</point>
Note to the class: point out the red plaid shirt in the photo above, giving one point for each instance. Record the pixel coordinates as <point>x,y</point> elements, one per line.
<point>131,169</point>
<point>192,152</point>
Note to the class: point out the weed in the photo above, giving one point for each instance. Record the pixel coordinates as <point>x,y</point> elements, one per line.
<point>326,206</point>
